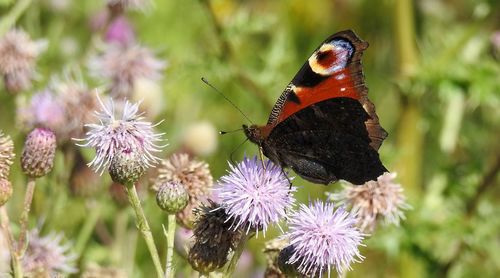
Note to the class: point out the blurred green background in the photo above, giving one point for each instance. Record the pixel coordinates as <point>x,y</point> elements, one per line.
<point>432,70</point>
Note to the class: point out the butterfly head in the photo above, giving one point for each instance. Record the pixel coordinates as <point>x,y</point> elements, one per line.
<point>254,134</point>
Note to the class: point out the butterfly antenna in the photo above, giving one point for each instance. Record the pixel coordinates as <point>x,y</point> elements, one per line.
<point>222,132</point>
<point>228,100</point>
<point>235,149</point>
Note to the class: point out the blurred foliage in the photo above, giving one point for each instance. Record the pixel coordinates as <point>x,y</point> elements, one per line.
<point>250,50</point>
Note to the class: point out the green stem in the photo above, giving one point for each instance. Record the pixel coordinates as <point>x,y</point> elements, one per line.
<point>143,226</point>
<point>170,234</point>
<point>236,256</point>
<point>23,222</point>
<point>10,19</point>
<point>88,227</point>
<point>16,262</point>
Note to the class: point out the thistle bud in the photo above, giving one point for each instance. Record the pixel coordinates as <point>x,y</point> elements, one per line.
<point>6,155</point>
<point>5,191</point>
<point>38,154</point>
<point>126,167</point>
<point>172,197</point>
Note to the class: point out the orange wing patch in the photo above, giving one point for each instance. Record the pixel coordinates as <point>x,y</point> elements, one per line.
<point>338,85</point>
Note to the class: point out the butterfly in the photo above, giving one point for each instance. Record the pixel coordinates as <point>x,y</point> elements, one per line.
<point>323,126</point>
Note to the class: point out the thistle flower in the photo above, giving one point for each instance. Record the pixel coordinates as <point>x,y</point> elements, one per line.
<point>123,65</point>
<point>172,197</point>
<point>18,54</point>
<point>255,196</point>
<point>63,107</point>
<point>6,155</point>
<point>126,145</point>
<point>38,154</point>
<point>321,237</point>
<point>120,32</point>
<point>44,110</point>
<point>373,200</point>
<point>193,174</point>
<point>48,256</point>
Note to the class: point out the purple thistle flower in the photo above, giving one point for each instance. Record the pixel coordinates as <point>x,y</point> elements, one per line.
<point>253,196</point>
<point>114,135</point>
<point>321,237</point>
<point>120,31</point>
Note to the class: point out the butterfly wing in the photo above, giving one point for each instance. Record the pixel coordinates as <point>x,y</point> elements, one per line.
<point>326,142</point>
<point>333,71</point>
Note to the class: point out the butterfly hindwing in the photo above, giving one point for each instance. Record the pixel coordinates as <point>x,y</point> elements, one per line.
<point>326,142</point>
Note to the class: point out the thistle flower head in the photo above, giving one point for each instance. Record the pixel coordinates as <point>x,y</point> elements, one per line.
<point>120,139</point>
<point>38,154</point>
<point>123,65</point>
<point>193,174</point>
<point>254,195</point>
<point>120,32</point>
<point>18,55</point>
<point>6,155</point>
<point>62,107</point>
<point>48,256</point>
<point>172,197</point>
<point>44,110</point>
<point>373,200</point>
<point>321,237</point>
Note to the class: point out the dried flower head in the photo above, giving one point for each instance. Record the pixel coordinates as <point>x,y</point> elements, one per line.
<point>383,198</point>
<point>38,154</point>
<point>255,195</point>
<point>212,228</point>
<point>321,237</point>
<point>6,155</point>
<point>123,65</point>
<point>127,142</point>
<point>132,4</point>
<point>213,238</point>
<point>48,256</point>
<point>5,191</point>
<point>18,55</point>
<point>120,32</point>
<point>193,174</point>
<point>172,197</point>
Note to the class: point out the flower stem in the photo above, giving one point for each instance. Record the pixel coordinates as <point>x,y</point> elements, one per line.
<point>10,19</point>
<point>23,222</point>
<point>5,223</point>
<point>170,234</point>
<point>88,227</point>
<point>143,226</point>
<point>236,256</point>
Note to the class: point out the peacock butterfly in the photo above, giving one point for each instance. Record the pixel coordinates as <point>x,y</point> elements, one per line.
<point>323,125</point>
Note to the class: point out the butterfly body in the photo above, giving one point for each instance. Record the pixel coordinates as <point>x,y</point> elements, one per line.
<point>323,126</point>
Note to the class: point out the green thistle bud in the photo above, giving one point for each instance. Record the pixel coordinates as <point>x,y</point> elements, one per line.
<point>5,191</point>
<point>172,197</point>
<point>6,155</point>
<point>126,167</point>
<point>38,154</point>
